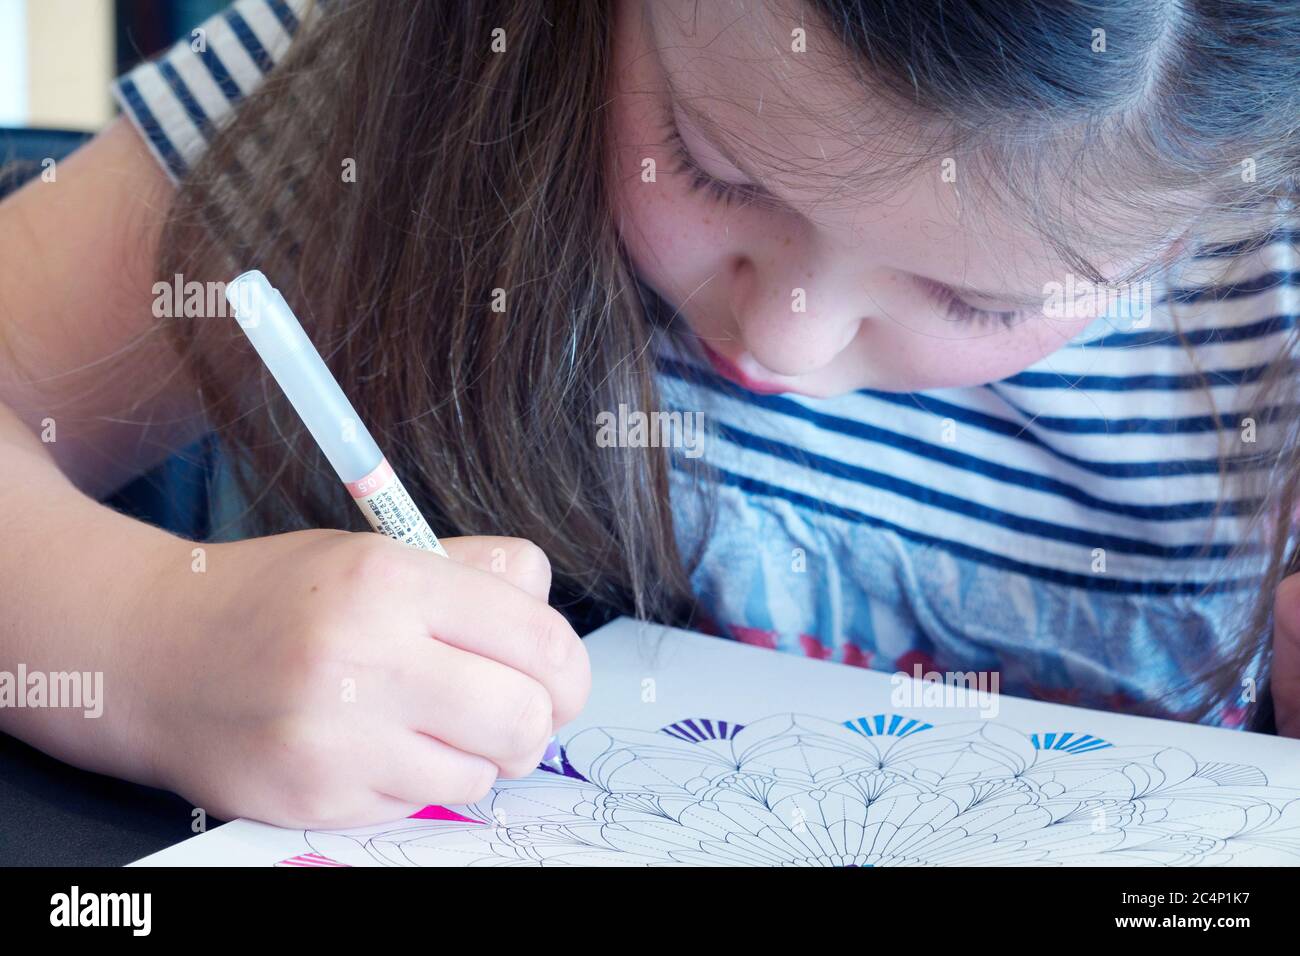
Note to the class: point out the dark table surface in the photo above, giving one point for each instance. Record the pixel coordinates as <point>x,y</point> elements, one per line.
<point>55,815</point>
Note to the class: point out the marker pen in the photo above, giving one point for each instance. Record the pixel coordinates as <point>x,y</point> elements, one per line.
<point>316,396</point>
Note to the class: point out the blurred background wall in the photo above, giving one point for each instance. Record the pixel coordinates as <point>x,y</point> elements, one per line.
<point>58,56</point>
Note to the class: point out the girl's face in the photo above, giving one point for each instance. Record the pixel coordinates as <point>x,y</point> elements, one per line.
<point>758,225</point>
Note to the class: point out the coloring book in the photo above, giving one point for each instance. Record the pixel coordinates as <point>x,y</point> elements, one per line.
<point>697,751</point>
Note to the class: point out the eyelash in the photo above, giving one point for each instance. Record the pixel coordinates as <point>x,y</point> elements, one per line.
<point>700,181</point>
<point>728,193</point>
<point>965,312</point>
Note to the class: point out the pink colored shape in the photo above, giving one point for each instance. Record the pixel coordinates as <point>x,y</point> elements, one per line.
<point>440,813</point>
<point>311,860</point>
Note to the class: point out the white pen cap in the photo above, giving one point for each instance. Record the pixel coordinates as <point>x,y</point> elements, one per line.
<point>295,364</point>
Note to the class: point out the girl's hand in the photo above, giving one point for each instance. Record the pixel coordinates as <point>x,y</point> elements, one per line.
<point>330,679</point>
<point>1286,657</point>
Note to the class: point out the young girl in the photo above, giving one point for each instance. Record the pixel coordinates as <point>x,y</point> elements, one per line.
<point>987,309</point>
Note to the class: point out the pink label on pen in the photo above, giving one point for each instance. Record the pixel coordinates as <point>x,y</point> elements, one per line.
<point>375,481</point>
<point>389,509</point>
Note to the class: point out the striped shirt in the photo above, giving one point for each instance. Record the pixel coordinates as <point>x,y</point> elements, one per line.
<point>1054,527</point>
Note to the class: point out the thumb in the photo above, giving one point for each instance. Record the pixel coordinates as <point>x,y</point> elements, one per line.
<point>1286,656</point>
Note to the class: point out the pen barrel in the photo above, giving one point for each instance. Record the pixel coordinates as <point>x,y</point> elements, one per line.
<point>306,381</point>
<point>390,510</point>
<point>315,395</point>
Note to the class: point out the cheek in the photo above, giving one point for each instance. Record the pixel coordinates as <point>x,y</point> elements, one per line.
<point>675,237</point>
<point>981,355</point>
<point>672,243</point>
<point>974,357</point>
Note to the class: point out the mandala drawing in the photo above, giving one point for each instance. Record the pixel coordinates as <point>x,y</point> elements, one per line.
<point>884,790</point>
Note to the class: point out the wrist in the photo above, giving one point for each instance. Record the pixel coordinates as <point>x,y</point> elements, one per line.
<point>148,574</point>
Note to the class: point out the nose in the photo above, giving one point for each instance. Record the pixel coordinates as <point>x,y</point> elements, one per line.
<point>793,321</point>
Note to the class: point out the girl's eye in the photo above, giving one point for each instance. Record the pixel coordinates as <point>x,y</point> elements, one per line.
<point>701,181</point>
<point>726,193</point>
<point>965,312</point>
<point>962,311</point>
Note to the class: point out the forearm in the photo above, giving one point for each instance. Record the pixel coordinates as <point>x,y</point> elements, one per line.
<point>78,587</point>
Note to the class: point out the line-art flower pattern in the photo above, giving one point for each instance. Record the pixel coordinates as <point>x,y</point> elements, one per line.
<point>880,790</point>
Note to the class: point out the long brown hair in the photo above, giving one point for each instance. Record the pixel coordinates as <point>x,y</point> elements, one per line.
<point>479,178</point>
<point>478,171</point>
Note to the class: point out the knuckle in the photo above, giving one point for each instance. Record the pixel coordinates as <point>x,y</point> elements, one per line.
<point>518,769</point>
<point>480,784</point>
<point>554,639</point>
<point>551,635</point>
<point>531,725</point>
<point>530,567</point>
<point>572,696</point>
<point>372,563</point>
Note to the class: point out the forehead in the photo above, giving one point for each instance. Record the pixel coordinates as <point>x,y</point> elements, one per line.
<point>797,116</point>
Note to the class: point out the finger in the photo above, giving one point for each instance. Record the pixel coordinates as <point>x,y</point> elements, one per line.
<point>478,612</point>
<point>387,809</point>
<point>516,560</point>
<point>477,706</point>
<point>417,769</point>
<point>1286,657</point>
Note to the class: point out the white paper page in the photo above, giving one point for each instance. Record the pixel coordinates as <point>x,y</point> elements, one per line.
<point>699,751</point>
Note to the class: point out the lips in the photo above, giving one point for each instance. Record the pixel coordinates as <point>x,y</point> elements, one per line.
<point>732,373</point>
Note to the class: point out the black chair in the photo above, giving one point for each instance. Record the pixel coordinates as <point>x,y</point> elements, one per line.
<point>173,495</point>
